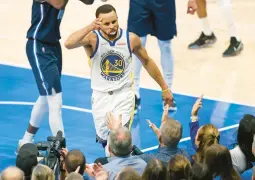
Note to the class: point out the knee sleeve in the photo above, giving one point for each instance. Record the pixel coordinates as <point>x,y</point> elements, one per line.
<point>39,110</point>
<point>55,113</point>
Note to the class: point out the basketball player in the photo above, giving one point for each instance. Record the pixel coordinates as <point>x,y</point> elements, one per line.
<point>157,18</point>
<point>207,36</point>
<point>45,57</point>
<point>110,50</point>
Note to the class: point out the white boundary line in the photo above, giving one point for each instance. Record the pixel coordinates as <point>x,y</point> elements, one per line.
<point>32,103</point>
<point>89,111</point>
<point>25,66</point>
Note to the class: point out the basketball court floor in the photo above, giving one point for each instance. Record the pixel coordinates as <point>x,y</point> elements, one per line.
<point>228,84</point>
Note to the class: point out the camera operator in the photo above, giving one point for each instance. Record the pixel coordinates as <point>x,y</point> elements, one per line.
<point>27,159</point>
<point>49,152</point>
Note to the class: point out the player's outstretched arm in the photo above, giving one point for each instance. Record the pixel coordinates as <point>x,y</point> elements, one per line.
<point>81,37</point>
<point>150,66</point>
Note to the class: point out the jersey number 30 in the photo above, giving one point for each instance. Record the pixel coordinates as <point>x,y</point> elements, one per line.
<point>118,63</point>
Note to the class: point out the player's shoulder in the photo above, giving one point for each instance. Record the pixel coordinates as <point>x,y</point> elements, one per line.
<point>92,36</point>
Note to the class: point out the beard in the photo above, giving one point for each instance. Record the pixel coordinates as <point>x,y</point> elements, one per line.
<point>112,35</point>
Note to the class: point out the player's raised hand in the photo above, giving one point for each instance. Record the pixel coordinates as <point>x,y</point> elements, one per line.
<point>96,24</point>
<point>192,7</point>
<point>168,97</point>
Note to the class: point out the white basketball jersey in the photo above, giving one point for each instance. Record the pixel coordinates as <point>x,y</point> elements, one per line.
<point>111,66</point>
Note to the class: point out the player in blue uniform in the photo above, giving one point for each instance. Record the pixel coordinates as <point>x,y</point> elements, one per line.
<point>45,57</point>
<point>157,18</point>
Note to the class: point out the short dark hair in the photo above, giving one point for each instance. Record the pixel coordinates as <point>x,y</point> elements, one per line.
<point>219,162</point>
<point>128,173</point>
<point>120,142</point>
<point>179,167</point>
<point>155,170</point>
<point>74,159</point>
<point>245,135</point>
<point>27,159</point>
<point>200,172</point>
<point>74,175</point>
<point>171,133</point>
<point>104,9</point>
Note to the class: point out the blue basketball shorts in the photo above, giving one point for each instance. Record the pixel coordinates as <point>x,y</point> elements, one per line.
<point>46,62</point>
<point>154,17</point>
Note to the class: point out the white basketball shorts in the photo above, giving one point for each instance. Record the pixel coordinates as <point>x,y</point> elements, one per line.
<point>118,102</point>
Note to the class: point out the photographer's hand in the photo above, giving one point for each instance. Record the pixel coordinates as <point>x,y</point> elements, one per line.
<point>100,173</point>
<point>64,152</point>
<point>90,170</point>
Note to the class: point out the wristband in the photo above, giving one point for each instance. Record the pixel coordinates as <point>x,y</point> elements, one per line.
<point>165,90</point>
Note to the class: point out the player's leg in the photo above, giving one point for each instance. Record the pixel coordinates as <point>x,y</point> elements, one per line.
<point>41,105</point>
<point>54,96</point>
<point>165,31</point>
<point>38,112</point>
<point>140,23</point>
<point>235,46</point>
<point>43,61</point>
<point>100,106</point>
<point>123,104</point>
<point>207,36</point>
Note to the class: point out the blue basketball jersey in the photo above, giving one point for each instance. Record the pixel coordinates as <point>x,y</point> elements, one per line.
<point>45,22</point>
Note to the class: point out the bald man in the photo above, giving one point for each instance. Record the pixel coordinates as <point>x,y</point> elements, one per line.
<point>12,173</point>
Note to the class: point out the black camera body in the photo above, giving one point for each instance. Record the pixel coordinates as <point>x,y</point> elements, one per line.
<point>52,148</point>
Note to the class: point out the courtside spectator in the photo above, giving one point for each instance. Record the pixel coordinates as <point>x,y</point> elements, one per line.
<point>12,173</point>
<point>27,159</point>
<point>155,170</point>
